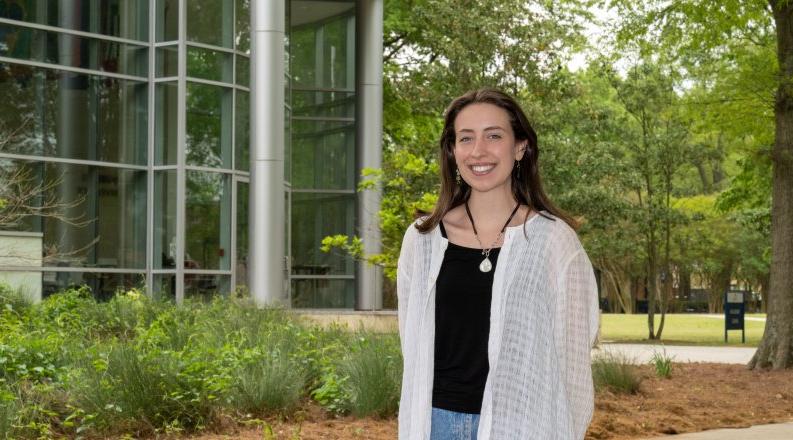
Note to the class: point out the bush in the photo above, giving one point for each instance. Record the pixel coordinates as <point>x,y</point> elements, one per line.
<point>128,389</point>
<point>373,373</point>
<point>266,384</point>
<point>14,301</point>
<point>662,364</point>
<point>74,367</point>
<point>9,408</point>
<point>615,373</point>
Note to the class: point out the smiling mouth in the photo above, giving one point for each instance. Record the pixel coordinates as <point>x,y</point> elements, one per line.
<point>481,170</point>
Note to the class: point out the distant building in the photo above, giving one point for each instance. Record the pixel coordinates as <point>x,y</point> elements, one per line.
<point>179,168</point>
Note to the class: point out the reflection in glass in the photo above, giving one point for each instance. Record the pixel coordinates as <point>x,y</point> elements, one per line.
<point>63,114</point>
<point>165,127</point>
<point>242,235</point>
<point>322,44</point>
<point>103,285</point>
<point>167,61</point>
<point>164,286</point>
<point>288,145</point>
<point>167,17</point>
<point>243,70</point>
<point>242,134</point>
<point>164,219</point>
<point>209,123</point>
<point>323,104</point>
<point>209,64</point>
<point>118,18</point>
<point>242,31</point>
<point>208,221</point>
<point>210,22</point>
<point>97,215</point>
<point>314,217</point>
<point>204,287</point>
<point>323,154</point>
<point>73,51</point>
<point>323,294</point>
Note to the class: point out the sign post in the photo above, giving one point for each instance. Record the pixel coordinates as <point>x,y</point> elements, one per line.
<point>734,311</point>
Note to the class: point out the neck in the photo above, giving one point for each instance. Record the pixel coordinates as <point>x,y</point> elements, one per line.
<point>492,208</point>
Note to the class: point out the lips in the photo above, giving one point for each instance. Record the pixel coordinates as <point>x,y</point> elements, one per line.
<point>481,169</point>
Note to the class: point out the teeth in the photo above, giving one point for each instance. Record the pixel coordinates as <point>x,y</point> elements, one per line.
<point>482,168</point>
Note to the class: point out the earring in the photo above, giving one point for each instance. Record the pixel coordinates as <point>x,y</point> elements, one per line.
<point>517,165</point>
<point>458,179</point>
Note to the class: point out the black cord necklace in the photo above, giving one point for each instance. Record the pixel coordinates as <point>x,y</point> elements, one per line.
<point>486,265</point>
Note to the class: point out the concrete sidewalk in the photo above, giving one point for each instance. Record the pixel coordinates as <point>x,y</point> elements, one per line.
<point>776,431</point>
<point>643,353</point>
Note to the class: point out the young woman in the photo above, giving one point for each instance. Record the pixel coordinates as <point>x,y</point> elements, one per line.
<point>498,305</point>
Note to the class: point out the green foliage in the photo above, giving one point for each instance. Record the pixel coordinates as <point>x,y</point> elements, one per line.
<point>662,364</point>
<point>615,373</point>
<point>138,367</point>
<point>9,408</point>
<point>373,376</point>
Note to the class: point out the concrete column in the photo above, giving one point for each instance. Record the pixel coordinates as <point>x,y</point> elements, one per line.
<point>267,223</point>
<point>369,35</point>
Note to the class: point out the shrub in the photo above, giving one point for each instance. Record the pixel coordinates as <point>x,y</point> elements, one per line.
<point>373,371</point>
<point>268,383</point>
<point>14,301</point>
<point>615,373</point>
<point>131,390</point>
<point>662,364</point>
<point>34,409</point>
<point>9,408</point>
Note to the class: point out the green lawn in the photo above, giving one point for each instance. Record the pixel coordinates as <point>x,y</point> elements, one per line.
<point>679,329</point>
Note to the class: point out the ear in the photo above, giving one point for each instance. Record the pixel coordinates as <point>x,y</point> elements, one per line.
<point>520,149</point>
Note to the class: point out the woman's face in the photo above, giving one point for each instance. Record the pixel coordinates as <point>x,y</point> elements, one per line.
<point>484,147</point>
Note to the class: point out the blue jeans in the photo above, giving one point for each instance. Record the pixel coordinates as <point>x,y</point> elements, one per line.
<point>450,425</point>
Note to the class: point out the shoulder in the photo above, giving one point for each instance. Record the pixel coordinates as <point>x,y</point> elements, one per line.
<point>412,232</point>
<point>564,241</point>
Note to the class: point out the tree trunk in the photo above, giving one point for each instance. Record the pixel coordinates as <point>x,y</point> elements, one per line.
<point>764,281</point>
<point>776,347</point>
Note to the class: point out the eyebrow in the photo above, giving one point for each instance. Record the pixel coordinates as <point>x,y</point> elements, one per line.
<point>493,127</point>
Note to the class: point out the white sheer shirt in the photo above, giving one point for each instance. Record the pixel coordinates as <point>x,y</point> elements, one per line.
<point>543,322</point>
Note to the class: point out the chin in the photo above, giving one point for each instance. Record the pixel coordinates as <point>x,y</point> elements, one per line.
<point>483,186</point>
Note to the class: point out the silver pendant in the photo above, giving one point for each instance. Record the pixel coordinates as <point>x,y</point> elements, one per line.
<point>486,265</point>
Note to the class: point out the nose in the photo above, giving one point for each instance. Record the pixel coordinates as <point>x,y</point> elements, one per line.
<point>479,147</point>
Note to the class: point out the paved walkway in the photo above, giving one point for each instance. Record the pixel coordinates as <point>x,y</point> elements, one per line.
<point>643,353</point>
<point>777,431</point>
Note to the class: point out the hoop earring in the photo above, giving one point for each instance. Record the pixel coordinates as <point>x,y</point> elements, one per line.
<point>458,179</point>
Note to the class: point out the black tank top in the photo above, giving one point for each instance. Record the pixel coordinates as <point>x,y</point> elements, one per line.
<point>462,326</point>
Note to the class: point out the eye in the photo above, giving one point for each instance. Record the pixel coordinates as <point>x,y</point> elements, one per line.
<point>494,136</point>
<point>464,139</point>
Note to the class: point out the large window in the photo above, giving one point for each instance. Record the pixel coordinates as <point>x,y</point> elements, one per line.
<point>209,124</point>
<point>70,115</point>
<point>210,22</point>
<point>208,221</point>
<point>322,160</point>
<point>117,18</point>
<point>26,43</point>
<point>94,216</point>
<point>143,139</point>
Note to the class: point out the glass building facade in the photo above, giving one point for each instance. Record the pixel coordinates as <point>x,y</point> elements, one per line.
<point>133,116</point>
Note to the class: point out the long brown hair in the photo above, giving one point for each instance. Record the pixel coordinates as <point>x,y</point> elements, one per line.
<point>526,183</point>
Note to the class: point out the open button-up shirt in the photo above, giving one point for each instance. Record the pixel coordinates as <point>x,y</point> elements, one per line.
<point>543,322</point>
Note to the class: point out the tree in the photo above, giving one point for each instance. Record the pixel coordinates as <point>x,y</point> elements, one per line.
<point>700,32</point>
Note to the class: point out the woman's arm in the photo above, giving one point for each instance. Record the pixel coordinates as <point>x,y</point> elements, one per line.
<point>404,273</point>
<point>577,317</point>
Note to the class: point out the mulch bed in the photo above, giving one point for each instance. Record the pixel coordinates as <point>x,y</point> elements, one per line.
<point>697,397</point>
